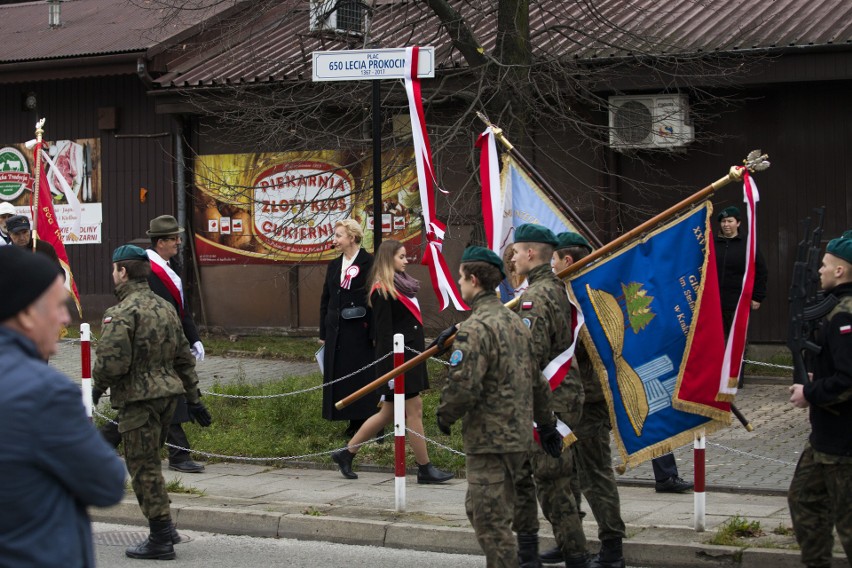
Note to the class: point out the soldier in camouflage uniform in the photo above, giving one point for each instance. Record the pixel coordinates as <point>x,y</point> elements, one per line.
<point>545,309</point>
<point>144,359</point>
<point>820,495</point>
<point>490,387</point>
<point>592,450</point>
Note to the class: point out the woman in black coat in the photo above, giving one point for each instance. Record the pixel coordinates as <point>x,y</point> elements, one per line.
<point>395,310</point>
<point>345,322</point>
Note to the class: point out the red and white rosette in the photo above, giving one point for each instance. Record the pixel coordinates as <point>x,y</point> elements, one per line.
<point>735,346</point>
<point>348,275</point>
<point>442,282</point>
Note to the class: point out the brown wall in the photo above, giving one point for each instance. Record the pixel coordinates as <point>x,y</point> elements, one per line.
<point>127,164</point>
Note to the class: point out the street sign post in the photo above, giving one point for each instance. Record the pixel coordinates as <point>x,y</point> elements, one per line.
<point>371,65</point>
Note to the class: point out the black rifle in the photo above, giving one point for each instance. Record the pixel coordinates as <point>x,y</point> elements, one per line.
<point>807,306</point>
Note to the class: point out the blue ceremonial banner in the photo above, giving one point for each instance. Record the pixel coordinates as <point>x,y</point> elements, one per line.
<point>638,305</point>
<point>524,202</point>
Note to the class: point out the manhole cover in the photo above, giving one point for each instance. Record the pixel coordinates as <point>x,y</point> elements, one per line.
<point>126,538</point>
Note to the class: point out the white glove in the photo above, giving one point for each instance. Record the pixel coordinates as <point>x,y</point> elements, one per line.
<point>197,350</point>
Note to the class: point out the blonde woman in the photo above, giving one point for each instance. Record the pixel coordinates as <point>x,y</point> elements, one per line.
<point>345,323</point>
<point>395,310</point>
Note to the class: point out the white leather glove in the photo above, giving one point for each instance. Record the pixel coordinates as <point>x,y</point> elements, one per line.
<point>197,350</point>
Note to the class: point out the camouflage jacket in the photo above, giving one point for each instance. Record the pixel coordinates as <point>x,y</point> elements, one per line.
<point>489,381</point>
<point>142,353</point>
<point>546,311</point>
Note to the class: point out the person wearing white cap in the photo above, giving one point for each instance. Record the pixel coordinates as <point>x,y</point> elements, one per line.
<point>6,211</point>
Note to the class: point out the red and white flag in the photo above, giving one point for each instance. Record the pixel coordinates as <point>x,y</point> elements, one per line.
<point>735,346</point>
<point>442,281</point>
<point>47,225</point>
<point>492,198</point>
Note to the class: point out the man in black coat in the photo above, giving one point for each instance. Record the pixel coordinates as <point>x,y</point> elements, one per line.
<point>166,282</point>
<point>21,235</point>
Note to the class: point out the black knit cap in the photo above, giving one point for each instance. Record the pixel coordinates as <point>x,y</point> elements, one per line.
<point>24,277</point>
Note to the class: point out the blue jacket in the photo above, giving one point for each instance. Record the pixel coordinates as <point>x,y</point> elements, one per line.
<point>53,463</point>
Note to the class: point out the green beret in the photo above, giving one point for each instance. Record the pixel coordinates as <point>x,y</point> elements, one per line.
<point>532,233</point>
<point>841,248</point>
<point>482,254</point>
<point>128,252</point>
<point>847,234</point>
<point>729,212</point>
<point>570,239</point>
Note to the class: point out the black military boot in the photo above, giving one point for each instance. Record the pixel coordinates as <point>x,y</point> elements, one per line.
<point>552,556</point>
<point>343,458</point>
<point>176,538</point>
<point>158,545</point>
<point>610,556</point>
<point>528,550</point>
<point>577,561</point>
<point>428,473</point>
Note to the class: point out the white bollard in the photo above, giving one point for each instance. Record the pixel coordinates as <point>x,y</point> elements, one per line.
<point>86,364</point>
<point>698,493</point>
<point>399,422</point>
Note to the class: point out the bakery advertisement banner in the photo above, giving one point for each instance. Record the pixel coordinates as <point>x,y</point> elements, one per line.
<point>76,162</point>
<point>282,207</point>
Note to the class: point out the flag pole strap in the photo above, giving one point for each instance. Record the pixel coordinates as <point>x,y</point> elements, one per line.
<point>533,173</point>
<point>754,162</point>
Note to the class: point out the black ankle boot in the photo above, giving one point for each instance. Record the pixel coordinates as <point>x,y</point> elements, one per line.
<point>528,550</point>
<point>176,538</point>
<point>343,458</point>
<point>577,561</point>
<point>552,556</point>
<point>428,473</point>
<point>158,545</point>
<point>610,556</point>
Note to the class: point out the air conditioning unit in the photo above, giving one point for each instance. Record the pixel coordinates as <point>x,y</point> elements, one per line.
<point>649,121</point>
<point>337,16</point>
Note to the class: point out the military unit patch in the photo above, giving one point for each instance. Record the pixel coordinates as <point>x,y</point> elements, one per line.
<point>527,322</point>
<point>456,357</point>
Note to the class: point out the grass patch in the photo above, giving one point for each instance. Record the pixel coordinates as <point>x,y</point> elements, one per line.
<point>783,530</point>
<point>175,485</point>
<point>780,358</point>
<point>293,425</point>
<point>732,531</point>
<point>266,346</point>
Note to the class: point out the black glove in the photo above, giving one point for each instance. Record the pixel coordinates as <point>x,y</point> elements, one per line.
<point>199,413</point>
<point>551,440</point>
<point>442,339</point>
<point>96,396</point>
<point>445,428</point>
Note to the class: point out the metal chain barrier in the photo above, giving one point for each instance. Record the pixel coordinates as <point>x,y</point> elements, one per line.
<point>435,443</point>
<point>309,389</point>
<point>773,365</point>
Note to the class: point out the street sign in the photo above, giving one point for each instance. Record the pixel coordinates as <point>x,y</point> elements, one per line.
<point>369,64</point>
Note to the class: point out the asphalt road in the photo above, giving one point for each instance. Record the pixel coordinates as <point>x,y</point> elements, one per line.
<point>206,550</point>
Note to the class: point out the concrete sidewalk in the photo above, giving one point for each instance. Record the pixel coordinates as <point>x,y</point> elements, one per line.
<point>319,504</point>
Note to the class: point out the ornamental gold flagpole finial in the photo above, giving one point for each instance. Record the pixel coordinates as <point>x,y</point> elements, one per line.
<point>39,131</point>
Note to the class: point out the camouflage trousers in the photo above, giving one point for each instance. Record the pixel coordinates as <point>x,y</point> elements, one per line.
<point>144,426</point>
<point>820,498</point>
<point>550,481</point>
<point>489,504</point>
<point>597,479</point>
